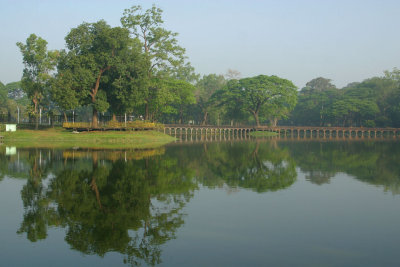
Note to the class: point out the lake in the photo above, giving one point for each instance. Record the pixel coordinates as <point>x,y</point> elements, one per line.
<point>235,203</point>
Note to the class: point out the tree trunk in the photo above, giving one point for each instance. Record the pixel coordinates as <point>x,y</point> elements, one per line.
<point>95,118</point>
<point>205,118</point>
<point>181,116</point>
<point>94,187</point>
<point>146,111</point>
<point>65,117</point>
<point>273,121</point>
<point>35,102</point>
<point>114,117</point>
<point>37,122</point>
<point>255,114</point>
<point>93,94</point>
<point>93,183</point>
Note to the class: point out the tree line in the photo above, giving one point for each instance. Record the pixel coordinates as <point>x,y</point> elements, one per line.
<point>374,102</point>
<point>139,69</point>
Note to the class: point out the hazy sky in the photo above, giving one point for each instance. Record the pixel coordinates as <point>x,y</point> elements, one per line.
<point>298,40</point>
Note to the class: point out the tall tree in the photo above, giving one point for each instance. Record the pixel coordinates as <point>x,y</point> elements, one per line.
<point>160,47</point>
<point>38,64</point>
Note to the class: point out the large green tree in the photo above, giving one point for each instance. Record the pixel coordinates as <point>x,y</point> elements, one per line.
<point>261,92</point>
<point>314,103</point>
<point>93,50</point>
<point>38,62</point>
<point>161,48</point>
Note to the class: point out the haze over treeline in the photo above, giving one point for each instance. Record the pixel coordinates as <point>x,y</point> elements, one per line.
<point>139,68</point>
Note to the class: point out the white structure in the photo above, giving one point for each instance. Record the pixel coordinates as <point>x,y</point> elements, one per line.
<point>11,127</point>
<point>11,150</point>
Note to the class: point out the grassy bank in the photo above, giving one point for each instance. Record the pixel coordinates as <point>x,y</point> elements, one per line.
<point>60,138</point>
<point>263,133</point>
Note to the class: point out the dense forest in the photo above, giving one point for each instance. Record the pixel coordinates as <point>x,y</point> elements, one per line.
<point>139,69</point>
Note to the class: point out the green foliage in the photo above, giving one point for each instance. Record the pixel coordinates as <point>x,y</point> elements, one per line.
<point>3,96</point>
<point>262,96</point>
<point>17,95</point>
<point>166,58</point>
<point>94,49</point>
<point>159,44</point>
<point>181,97</point>
<point>373,102</point>
<point>38,64</point>
<point>319,84</point>
<point>206,87</point>
<point>131,207</point>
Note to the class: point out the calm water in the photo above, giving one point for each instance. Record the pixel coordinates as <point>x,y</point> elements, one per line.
<point>266,203</point>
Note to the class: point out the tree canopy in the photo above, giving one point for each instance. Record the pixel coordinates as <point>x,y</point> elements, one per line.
<point>372,102</point>
<point>38,62</point>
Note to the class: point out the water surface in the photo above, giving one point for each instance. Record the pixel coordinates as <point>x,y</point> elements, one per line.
<point>246,203</point>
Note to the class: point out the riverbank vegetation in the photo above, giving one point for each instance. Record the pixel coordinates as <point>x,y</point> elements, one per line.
<point>139,71</point>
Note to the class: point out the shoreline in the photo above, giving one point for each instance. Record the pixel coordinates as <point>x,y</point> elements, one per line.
<point>60,138</point>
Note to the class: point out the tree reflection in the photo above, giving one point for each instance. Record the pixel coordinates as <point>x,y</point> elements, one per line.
<point>37,214</point>
<point>374,162</point>
<point>257,166</point>
<point>128,207</point>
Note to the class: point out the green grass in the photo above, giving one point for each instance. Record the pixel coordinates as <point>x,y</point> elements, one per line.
<point>263,133</point>
<point>60,138</point>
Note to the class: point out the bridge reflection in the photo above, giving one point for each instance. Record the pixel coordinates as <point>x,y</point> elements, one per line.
<point>205,138</point>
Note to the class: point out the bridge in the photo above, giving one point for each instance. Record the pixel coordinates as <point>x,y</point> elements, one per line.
<point>324,131</point>
<point>207,129</point>
<point>175,129</point>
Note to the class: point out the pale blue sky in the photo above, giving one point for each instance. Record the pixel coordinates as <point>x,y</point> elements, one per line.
<point>295,39</point>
